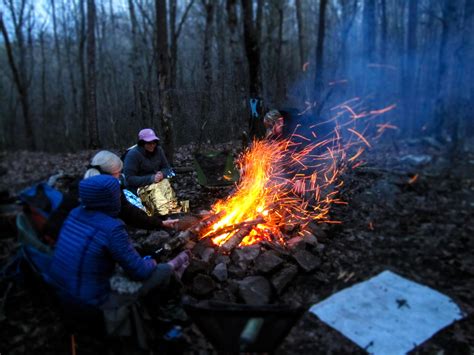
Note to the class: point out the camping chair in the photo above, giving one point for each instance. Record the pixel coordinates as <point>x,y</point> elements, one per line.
<point>215,169</point>
<point>235,328</point>
<point>37,257</point>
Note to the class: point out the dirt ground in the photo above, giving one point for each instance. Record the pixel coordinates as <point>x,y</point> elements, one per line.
<point>410,210</point>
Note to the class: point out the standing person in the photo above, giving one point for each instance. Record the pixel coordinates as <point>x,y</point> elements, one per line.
<point>146,163</point>
<point>103,163</point>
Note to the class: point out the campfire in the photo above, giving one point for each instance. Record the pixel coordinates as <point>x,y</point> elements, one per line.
<point>286,184</point>
<point>281,187</point>
<point>273,224</point>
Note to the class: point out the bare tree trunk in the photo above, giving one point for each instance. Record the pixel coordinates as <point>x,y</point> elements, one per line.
<point>235,45</point>
<point>300,23</point>
<point>57,47</point>
<point>19,78</point>
<point>462,88</point>
<point>349,13</point>
<point>252,48</point>
<point>43,77</point>
<point>94,142</point>
<point>134,64</point>
<point>81,35</point>
<point>209,8</point>
<point>318,81</point>
<point>369,30</point>
<point>383,32</point>
<point>443,85</point>
<point>223,94</point>
<point>279,81</point>
<point>175,32</point>
<point>409,70</point>
<point>164,77</point>
<point>234,39</point>
<point>68,45</point>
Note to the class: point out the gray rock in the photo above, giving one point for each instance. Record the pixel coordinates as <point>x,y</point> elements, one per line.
<point>296,243</point>
<point>268,262</point>
<point>306,260</point>
<point>246,254</point>
<point>317,230</point>
<point>155,239</point>
<point>220,272</point>
<point>255,290</point>
<point>203,285</point>
<point>309,238</point>
<point>207,254</point>
<point>283,277</point>
<point>198,266</point>
<point>236,271</point>
<point>222,259</point>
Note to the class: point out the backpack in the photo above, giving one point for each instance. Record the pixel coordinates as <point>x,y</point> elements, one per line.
<point>124,154</point>
<point>39,201</point>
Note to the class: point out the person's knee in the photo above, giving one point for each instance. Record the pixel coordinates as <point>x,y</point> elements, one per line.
<point>160,278</point>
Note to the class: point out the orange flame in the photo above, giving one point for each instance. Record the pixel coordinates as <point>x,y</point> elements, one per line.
<point>266,191</point>
<point>291,182</point>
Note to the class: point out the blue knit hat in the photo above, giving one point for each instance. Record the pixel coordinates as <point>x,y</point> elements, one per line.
<point>101,193</point>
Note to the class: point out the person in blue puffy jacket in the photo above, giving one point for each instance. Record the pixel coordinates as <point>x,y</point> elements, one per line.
<point>93,240</point>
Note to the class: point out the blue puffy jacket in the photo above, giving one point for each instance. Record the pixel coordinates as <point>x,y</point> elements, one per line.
<point>92,240</point>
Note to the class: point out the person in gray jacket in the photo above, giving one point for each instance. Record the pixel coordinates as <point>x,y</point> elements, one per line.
<point>145,163</point>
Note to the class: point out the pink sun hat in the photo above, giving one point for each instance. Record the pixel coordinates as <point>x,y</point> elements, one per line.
<point>147,135</point>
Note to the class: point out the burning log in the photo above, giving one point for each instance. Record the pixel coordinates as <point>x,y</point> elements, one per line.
<point>236,238</point>
<point>206,222</point>
<point>228,229</point>
<point>178,242</point>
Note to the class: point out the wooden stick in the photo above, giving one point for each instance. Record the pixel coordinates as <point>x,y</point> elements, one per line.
<point>232,227</point>
<point>206,222</point>
<point>236,238</point>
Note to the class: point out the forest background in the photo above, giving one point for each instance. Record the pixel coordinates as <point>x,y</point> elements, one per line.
<point>77,74</point>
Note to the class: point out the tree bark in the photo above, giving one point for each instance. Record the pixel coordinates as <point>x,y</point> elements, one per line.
<point>319,72</point>
<point>383,32</point>
<point>235,45</point>
<point>300,23</point>
<point>134,64</point>
<point>94,142</point>
<point>82,37</point>
<point>164,77</point>
<point>369,31</point>
<point>410,67</point>
<point>209,8</point>
<point>252,47</point>
<point>19,78</point>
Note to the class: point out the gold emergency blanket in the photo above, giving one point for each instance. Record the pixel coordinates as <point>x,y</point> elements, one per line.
<point>160,198</point>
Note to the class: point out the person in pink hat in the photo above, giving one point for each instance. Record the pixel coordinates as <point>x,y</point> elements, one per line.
<point>146,163</point>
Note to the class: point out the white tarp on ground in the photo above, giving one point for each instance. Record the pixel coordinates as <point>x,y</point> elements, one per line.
<point>387,314</point>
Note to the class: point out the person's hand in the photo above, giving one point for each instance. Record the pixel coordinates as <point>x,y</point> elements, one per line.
<point>159,176</point>
<point>171,223</point>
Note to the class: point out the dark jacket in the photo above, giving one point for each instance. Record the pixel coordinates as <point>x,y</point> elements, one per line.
<point>140,166</point>
<point>92,241</point>
<point>131,215</point>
